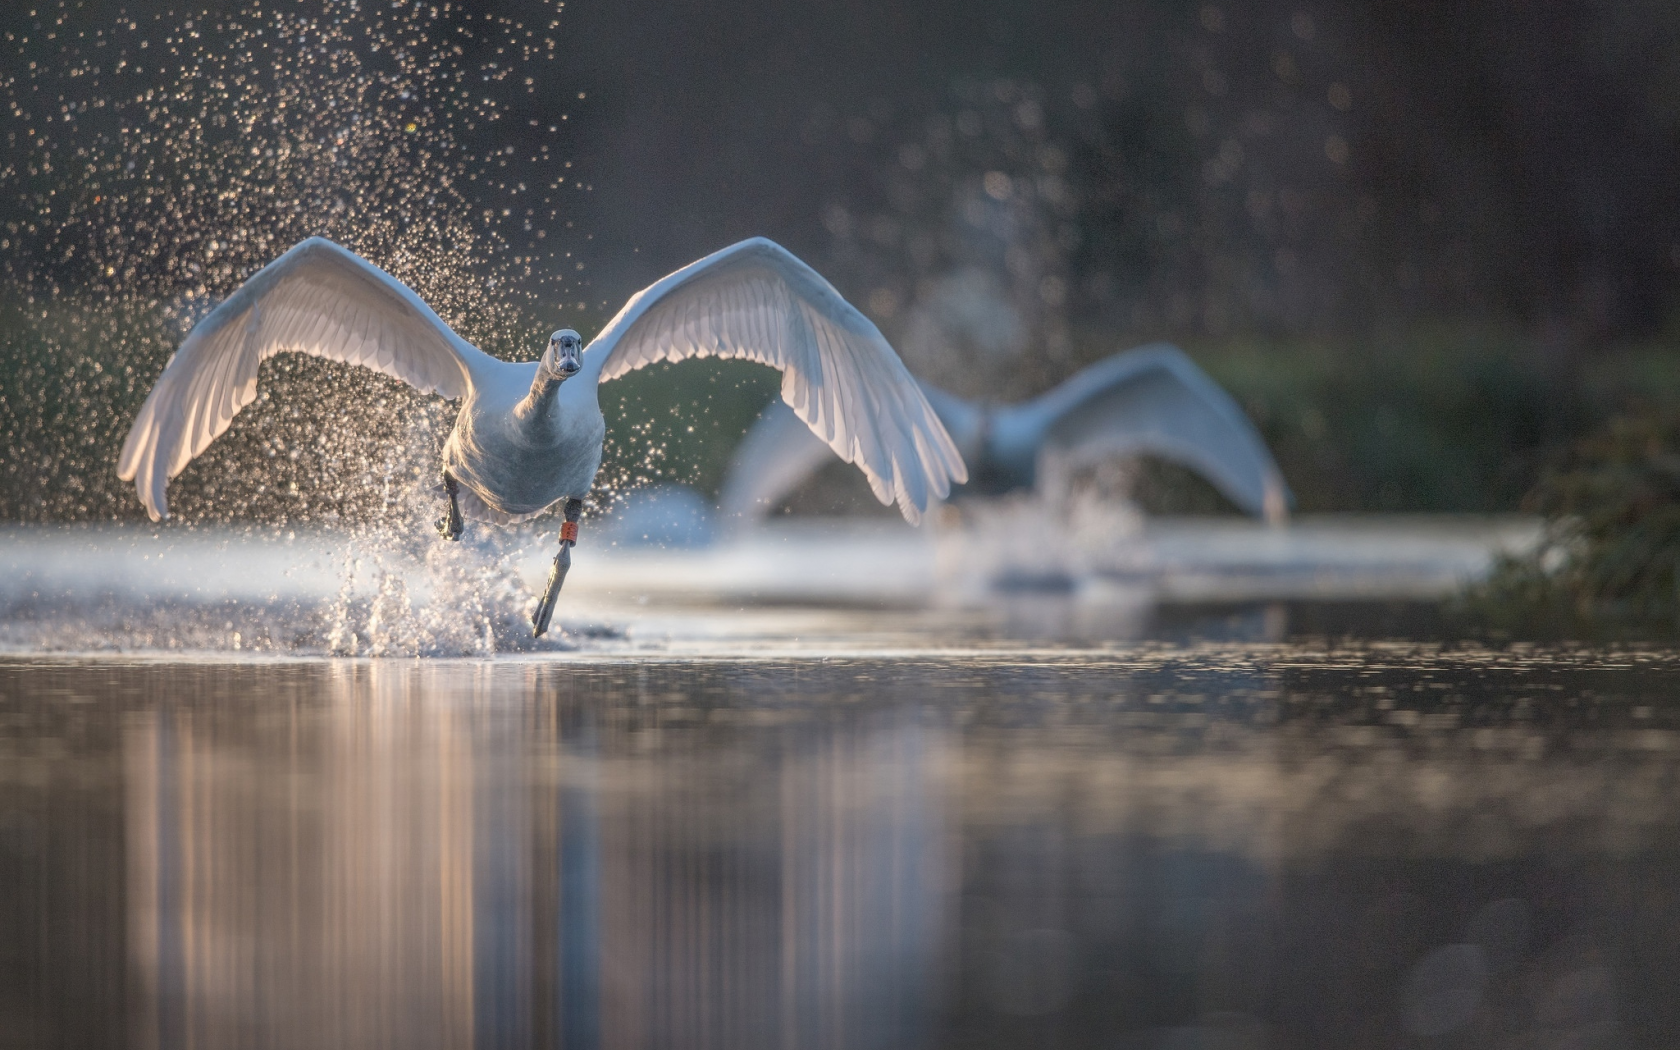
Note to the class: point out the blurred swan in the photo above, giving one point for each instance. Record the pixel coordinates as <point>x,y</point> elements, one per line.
<point>529,434</point>
<point>1150,400</point>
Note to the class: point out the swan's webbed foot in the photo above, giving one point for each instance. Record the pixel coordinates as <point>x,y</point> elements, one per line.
<point>449,526</point>
<point>557,575</point>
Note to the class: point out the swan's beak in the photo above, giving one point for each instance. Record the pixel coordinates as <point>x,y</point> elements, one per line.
<point>565,353</point>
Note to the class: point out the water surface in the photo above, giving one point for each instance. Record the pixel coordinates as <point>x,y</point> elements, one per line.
<point>1209,845</point>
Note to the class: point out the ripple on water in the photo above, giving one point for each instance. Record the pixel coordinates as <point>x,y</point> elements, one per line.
<point>1226,844</point>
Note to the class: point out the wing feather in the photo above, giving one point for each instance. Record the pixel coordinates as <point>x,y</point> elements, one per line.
<point>757,302</point>
<point>318,299</point>
<point>777,453</point>
<point>1152,400</point>
<point>1156,400</point>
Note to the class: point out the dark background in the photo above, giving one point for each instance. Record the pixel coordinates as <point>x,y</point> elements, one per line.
<point>1506,162</point>
<point>1425,244</point>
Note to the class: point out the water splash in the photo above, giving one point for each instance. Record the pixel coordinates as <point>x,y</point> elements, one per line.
<point>963,223</point>
<point>1078,526</point>
<point>430,598</point>
<point>393,589</point>
<point>154,163</point>
<point>157,159</point>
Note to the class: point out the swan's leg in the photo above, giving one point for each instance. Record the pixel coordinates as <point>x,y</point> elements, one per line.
<point>449,526</point>
<point>557,575</point>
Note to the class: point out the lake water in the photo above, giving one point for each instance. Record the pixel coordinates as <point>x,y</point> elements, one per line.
<point>828,790</point>
<point>1215,844</point>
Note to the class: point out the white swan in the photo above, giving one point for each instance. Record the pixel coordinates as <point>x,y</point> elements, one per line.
<point>1151,400</point>
<point>529,435</point>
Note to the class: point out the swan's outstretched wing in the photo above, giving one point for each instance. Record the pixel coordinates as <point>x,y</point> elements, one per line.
<point>779,452</point>
<point>317,299</point>
<point>755,300</point>
<point>1155,400</point>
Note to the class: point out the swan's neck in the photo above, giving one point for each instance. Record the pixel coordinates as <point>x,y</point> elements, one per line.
<point>538,405</point>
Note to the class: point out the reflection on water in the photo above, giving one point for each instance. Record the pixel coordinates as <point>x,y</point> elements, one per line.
<point>1221,846</point>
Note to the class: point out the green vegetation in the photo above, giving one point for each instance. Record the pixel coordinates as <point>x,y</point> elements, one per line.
<point>1610,561</point>
<point>1451,420</point>
<point>679,423</point>
<point>71,378</point>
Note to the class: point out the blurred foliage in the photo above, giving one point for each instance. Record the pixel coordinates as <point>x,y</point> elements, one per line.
<point>1445,421</point>
<point>64,407</point>
<point>1257,169</point>
<point>1610,559</point>
<point>1449,419</point>
<point>679,423</point>
<point>1160,169</point>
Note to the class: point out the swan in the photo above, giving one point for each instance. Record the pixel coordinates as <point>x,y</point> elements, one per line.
<point>1149,400</point>
<point>528,435</point>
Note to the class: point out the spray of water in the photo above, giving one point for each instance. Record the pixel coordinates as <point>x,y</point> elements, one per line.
<point>961,221</point>
<point>1079,524</point>
<point>155,159</point>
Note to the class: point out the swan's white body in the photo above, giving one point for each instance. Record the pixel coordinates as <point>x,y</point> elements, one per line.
<point>515,456</point>
<point>529,435</point>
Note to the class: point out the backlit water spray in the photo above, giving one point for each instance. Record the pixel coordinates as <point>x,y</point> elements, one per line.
<point>156,158</point>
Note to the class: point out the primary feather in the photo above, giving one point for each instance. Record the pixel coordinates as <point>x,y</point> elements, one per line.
<point>317,299</point>
<point>757,301</point>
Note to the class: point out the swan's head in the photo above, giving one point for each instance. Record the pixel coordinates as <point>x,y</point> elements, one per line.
<point>564,356</point>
